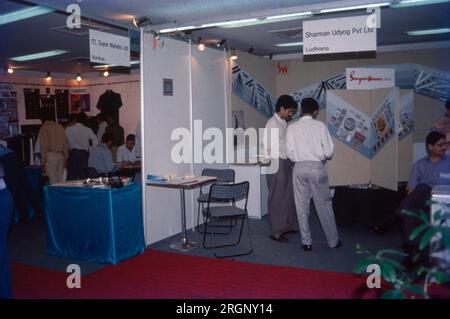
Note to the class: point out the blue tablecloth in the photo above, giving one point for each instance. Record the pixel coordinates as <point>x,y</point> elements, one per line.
<point>95,225</point>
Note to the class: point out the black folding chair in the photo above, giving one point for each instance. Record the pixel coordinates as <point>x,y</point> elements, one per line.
<point>231,193</point>
<point>224,176</point>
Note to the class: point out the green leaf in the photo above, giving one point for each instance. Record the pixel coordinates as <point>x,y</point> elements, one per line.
<point>362,265</point>
<point>441,277</point>
<point>446,237</point>
<point>393,294</point>
<point>388,271</point>
<point>417,231</point>
<point>415,289</point>
<point>427,237</point>
<point>390,252</point>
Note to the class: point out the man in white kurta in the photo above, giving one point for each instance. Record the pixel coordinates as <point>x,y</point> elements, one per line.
<point>309,145</point>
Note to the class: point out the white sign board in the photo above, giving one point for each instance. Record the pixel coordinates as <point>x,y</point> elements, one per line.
<point>109,48</point>
<point>350,34</point>
<point>367,79</point>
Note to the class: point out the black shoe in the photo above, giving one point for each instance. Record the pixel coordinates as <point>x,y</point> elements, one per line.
<point>292,231</point>
<point>339,245</point>
<point>281,239</point>
<point>307,247</point>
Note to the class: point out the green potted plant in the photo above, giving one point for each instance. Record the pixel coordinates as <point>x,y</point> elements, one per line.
<point>398,282</point>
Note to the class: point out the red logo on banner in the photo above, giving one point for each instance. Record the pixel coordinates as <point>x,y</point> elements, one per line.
<point>282,69</point>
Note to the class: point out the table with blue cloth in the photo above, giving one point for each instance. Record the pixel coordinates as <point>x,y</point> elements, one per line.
<point>99,225</point>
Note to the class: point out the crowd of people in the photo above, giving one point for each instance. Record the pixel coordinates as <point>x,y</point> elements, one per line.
<point>304,148</point>
<point>86,147</point>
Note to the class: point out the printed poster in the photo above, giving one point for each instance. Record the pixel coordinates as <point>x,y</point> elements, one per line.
<point>348,124</point>
<point>406,115</point>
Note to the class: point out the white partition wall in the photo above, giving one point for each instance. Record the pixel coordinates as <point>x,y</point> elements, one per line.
<point>199,93</point>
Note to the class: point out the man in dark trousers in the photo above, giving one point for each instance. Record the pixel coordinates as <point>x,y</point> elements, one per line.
<point>281,205</point>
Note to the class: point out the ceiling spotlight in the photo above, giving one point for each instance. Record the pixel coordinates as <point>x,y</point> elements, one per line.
<point>201,45</point>
<point>79,78</point>
<point>233,55</point>
<point>139,22</point>
<point>49,76</point>
<point>105,74</point>
<point>222,43</point>
<point>10,71</point>
<point>156,36</point>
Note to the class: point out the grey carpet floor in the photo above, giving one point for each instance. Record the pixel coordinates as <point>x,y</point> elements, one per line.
<point>27,245</point>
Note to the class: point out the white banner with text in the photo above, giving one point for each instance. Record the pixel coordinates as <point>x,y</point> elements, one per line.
<point>350,34</point>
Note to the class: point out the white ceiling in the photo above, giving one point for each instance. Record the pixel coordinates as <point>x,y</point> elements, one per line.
<point>36,34</point>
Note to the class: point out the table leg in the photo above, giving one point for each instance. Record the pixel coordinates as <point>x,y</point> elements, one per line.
<point>184,244</point>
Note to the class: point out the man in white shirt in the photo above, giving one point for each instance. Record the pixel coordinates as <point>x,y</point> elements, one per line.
<point>79,139</point>
<point>309,145</point>
<point>127,152</point>
<point>102,124</point>
<point>281,205</point>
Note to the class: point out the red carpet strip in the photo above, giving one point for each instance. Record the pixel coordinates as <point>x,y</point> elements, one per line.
<point>156,274</point>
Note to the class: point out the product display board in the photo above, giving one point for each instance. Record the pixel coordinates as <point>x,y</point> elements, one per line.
<point>405,136</point>
<point>247,88</point>
<point>406,113</point>
<point>364,133</point>
<point>362,124</point>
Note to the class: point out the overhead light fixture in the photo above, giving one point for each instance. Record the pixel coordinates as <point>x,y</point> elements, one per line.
<point>428,32</point>
<point>201,45</point>
<point>413,3</point>
<point>222,43</point>
<point>40,55</point>
<point>291,15</point>
<point>106,74</point>
<point>107,66</point>
<point>24,14</point>
<point>139,22</point>
<point>79,78</point>
<point>358,7</point>
<point>233,55</point>
<point>169,30</point>
<point>289,44</point>
<point>228,23</point>
<point>10,70</point>
<point>48,77</point>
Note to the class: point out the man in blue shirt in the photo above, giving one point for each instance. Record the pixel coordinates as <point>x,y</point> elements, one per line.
<point>100,156</point>
<point>429,171</point>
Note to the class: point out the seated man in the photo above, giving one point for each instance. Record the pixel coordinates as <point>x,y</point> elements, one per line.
<point>127,152</point>
<point>429,171</point>
<point>100,156</point>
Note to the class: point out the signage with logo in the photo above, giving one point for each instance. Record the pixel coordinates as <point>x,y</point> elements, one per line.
<point>366,79</point>
<point>350,34</point>
<point>109,48</point>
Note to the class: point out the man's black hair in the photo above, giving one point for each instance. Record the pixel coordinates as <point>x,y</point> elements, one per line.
<point>309,105</point>
<point>287,102</point>
<point>107,137</point>
<point>433,138</point>
<point>82,118</point>
<point>131,137</point>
